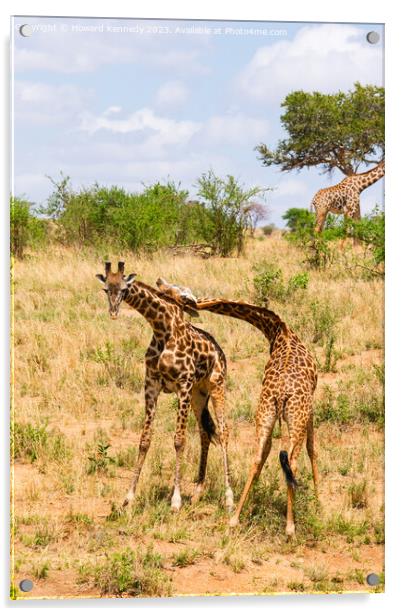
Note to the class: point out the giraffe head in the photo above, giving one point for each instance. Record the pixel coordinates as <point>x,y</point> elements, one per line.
<point>116,285</point>
<point>182,295</point>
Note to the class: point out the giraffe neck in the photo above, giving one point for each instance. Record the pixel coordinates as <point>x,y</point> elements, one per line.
<point>370,177</point>
<point>263,319</point>
<point>159,312</point>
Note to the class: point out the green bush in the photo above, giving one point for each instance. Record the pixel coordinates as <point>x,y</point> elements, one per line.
<point>268,229</point>
<point>370,231</point>
<point>299,220</point>
<point>269,283</point>
<point>33,442</point>
<point>359,400</point>
<point>319,252</point>
<point>129,573</point>
<point>226,216</point>
<point>159,216</point>
<point>26,230</point>
<point>99,460</point>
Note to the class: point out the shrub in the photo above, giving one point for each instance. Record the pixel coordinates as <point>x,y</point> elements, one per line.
<point>32,442</point>
<point>299,281</point>
<point>159,216</point>
<point>99,460</point>
<point>117,366</point>
<point>41,571</point>
<point>299,220</point>
<point>186,557</point>
<point>25,229</point>
<point>357,400</point>
<point>133,573</point>
<point>268,229</point>
<point>269,283</point>
<point>370,231</point>
<point>324,319</point>
<point>227,212</point>
<point>358,495</point>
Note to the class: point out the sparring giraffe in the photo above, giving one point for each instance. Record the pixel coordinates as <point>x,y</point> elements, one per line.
<point>181,358</point>
<point>343,198</point>
<point>289,382</point>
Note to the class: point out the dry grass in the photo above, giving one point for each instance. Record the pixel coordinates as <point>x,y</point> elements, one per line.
<point>78,414</point>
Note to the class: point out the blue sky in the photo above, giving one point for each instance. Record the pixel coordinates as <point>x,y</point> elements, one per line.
<point>132,102</point>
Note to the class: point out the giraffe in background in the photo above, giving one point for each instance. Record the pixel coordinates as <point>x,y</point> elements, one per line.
<point>343,198</point>
<point>181,358</point>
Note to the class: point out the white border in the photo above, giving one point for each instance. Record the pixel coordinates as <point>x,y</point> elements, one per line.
<point>369,11</point>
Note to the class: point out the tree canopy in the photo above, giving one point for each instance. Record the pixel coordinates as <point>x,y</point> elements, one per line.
<point>341,130</point>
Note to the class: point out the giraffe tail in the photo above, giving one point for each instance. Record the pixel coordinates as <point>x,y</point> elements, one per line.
<point>285,465</point>
<point>208,424</point>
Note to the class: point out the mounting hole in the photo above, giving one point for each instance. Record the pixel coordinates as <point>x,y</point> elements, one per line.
<point>373,37</point>
<point>26,30</point>
<point>373,579</point>
<point>26,585</point>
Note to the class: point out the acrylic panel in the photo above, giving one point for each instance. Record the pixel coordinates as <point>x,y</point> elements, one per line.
<point>197,236</point>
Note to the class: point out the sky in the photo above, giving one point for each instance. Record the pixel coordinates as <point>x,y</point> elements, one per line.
<point>130,102</point>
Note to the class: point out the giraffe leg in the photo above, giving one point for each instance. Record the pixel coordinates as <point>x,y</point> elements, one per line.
<point>355,214</point>
<point>199,403</point>
<point>264,430</point>
<point>266,450</point>
<point>320,220</point>
<point>310,447</point>
<point>217,395</point>
<point>297,413</point>
<point>152,390</point>
<point>184,403</point>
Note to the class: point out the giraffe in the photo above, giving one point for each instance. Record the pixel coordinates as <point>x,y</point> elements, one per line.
<point>343,198</point>
<point>181,358</point>
<point>289,382</point>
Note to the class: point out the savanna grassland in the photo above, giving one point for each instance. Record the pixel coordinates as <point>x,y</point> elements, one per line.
<point>78,411</point>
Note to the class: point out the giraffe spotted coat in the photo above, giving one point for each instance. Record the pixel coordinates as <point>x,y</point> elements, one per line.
<point>343,198</point>
<point>183,359</point>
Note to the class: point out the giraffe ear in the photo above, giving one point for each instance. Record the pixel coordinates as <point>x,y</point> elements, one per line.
<point>101,278</point>
<point>189,306</point>
<point>129,280</point>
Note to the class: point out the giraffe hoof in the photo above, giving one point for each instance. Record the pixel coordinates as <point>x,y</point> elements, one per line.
<point>199,488</point>
<point>175,504</point>
<point>229,500</point>
<point>290,532</point>
<point>233,521</point>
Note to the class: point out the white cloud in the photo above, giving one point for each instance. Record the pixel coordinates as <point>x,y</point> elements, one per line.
<point>324,57</point>
<point>172,93</point>
<point>157,132</point>
<point>112,109</point>
<point>40,103</point>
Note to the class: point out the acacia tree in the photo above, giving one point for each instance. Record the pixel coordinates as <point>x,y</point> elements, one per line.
<point>255,212</point>
<point>341,130</point>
